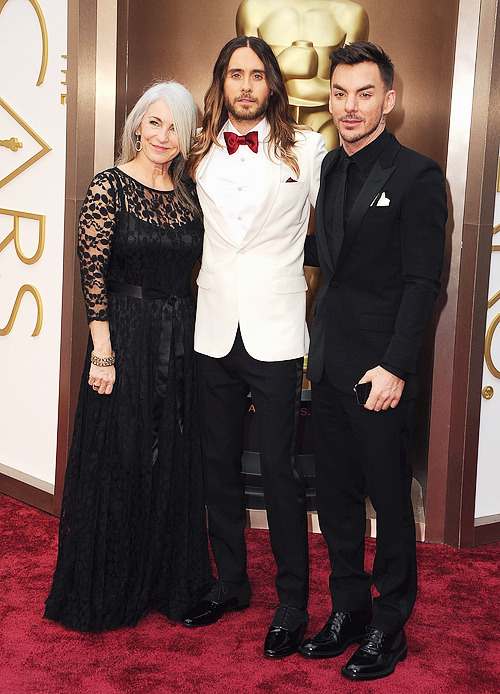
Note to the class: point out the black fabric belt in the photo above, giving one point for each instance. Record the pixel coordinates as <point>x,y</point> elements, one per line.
<point>170,352</point>
<point>138,292</point>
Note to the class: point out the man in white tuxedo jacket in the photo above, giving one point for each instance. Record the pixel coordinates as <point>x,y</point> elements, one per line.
<point>257,175</point>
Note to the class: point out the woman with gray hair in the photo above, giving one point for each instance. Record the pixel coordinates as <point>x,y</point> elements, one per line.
<point>132,535</point>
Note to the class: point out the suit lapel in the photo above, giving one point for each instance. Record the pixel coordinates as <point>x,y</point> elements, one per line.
<point>214,209</point>
<point>382,170</point>
<point>372,188</point>
<point>271,192</point>
<point>322,219</point>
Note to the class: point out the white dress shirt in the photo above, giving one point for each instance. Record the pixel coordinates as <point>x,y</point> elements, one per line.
<point>237,182</point>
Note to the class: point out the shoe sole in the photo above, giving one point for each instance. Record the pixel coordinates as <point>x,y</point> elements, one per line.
<point>238,608</point>
<point>277,656</point>
<point>399,658</point>
<point>332,654</point>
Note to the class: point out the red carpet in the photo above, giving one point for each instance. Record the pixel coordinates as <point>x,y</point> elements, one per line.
<point>453,635</point>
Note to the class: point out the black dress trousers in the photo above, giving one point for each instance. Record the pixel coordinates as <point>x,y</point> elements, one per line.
<point>360,452</point>
<point>275,388</point>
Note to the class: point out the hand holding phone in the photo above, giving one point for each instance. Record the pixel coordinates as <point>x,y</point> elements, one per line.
<point>362,391</point>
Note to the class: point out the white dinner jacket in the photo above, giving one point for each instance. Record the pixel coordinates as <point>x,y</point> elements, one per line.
<point>259,284</point>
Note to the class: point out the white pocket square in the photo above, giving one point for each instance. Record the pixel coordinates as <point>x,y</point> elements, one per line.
<point>383,201</point>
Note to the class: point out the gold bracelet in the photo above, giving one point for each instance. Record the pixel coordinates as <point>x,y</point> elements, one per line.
<point>102,361</point>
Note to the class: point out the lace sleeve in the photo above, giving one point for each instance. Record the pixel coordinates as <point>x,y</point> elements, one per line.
<point>95,231</point>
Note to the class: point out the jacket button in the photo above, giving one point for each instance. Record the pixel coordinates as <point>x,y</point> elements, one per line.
<point>334,284</point>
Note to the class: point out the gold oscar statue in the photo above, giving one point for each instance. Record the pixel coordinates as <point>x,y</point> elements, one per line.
<point>302,34</point>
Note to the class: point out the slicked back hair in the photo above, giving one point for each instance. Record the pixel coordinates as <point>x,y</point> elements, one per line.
<point>282,125</point>
<point>364,52</point>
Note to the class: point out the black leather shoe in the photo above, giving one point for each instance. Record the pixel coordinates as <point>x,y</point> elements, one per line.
<point>286,632</point>
<point>221,598</point>
<point>341,629</point>
<point>377,656</point>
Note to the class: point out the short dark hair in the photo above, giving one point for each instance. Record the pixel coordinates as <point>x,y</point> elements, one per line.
<point>364,52</point>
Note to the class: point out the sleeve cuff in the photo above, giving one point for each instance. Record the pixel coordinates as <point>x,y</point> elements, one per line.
<point>403,375</point>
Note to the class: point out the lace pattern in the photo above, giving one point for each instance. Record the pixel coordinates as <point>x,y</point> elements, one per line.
<point>112,193</point>
<point>132,535</point>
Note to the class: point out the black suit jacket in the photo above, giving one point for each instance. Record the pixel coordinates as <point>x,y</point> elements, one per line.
<point>380,284</point>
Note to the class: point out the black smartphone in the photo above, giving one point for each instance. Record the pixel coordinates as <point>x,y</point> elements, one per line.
<point>362,391</point>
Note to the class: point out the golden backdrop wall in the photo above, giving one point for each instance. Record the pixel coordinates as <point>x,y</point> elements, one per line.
<point>180,39</point>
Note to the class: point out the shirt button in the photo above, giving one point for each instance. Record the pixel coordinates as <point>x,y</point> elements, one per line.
<point>242,159</point>
<point>240,218</point>
<point>240,188</point>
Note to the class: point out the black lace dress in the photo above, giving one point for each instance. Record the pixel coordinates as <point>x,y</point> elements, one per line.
<point>132,534</point>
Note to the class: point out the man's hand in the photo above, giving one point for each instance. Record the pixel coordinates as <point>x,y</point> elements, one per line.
<point>386,389</point>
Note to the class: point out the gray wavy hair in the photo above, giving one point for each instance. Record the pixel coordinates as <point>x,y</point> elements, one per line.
<point>185,120</point>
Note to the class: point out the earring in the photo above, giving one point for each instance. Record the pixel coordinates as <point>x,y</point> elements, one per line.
<point>138,143</point>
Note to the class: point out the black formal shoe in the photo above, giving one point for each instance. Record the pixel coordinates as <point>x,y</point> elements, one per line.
<point>221,598</point>
<point>286,632</point>
<point>377,656</point>
<point>341,629</point>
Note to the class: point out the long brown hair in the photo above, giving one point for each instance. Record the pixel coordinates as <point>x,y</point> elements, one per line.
<point>282,125</point>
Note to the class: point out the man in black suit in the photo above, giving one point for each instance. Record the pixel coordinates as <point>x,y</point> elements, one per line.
<point>380,229</point>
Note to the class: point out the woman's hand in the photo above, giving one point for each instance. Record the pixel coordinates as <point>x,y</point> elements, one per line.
<point>102,378</point>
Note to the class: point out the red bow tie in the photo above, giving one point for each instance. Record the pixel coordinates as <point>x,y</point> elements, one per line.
<point>233,141</point>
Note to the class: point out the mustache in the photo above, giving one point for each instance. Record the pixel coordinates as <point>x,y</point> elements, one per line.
<point>350,119</point>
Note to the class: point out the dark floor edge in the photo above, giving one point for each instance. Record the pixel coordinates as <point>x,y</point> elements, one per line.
<point>27,493</point>
<point>487,533</point>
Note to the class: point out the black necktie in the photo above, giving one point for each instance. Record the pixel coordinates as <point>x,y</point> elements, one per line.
<point>339,205</point>
<point>336,235</point>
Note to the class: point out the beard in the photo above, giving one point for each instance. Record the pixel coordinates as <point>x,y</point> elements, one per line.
<point>352,137</point>
<point>244,113</point>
